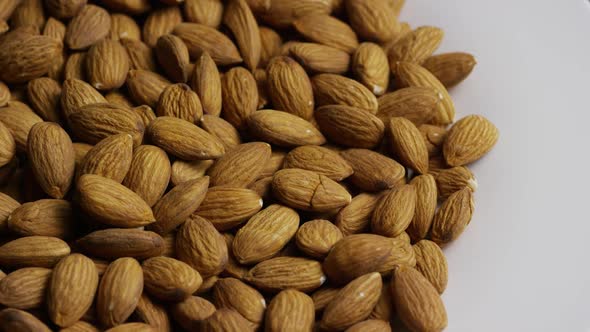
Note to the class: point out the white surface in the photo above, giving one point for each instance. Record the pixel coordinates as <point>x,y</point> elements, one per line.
<point>523,264</point>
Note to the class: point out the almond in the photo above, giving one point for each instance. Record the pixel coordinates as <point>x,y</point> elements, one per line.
<point>290,310</point>
<point>416,104</point>
<point>107,64</point>
<point>123,26</point>
<point>135,327</point>
<point>241,22</point>
<point>308,190</point>
<point>114,243</point>
<point>7,206</point>
<point>112,203</point>
<point>350,126</point>
<point>146,114</point>
<point>75,66</point>
<point>191,312</point>
<point>327,30</point>
<point>37,251</point>
<point>184,139</point>
<point>8,8</point>
<point>281,273</point>
<point>183,171</point>
<point>153,313</point>
<point>417,302</point>
<point>281,14</point>
<point>323,296</point>
<point>145,87</point>
<point>148,173</point>
<point>271,43</point>
<point>450,68</point>
<point>289,87</point>
<point>173,56</point>
<point>317,237</point>
<point>178,204</point>
<point>28,13</point>
<point>18,119</point>
<point>426,201</point>
<point>263,187</point>
<point>206,83</point>
<point>331,89</point>
<point>46,217</point>
<point>25,288</point>
<point>372,19</point>
<point>170,279</point>
<point>241,166</point>
<point>320,160</point>
<point>109,158</point>
<point>434,137</point>
<point>7,145</point>
<point>201,38</point>
<point>265,234</point>
<point>24,58</point>
<point>51,155</point>
<point>320,58</point>
<point>408,145</point>
<point>233,294</point>
<point>77,93</point>
<point>416,46</point>
<point>81,326</point>
<point>62,9</point>
<point>71,291</point>
<point>353,303</point>
<point>226,320</point>
<point>469,139</point>
<point>44,96</point>
<point>384,309</point>
<point>18,320</point>
<point>55,29</point>
<point>131,7</point>
<point>373,171</point>
<point>90,25</point>
<point>370,325</point>
<point>160,22</point>
<point>284,129</point>
<point>452,217</point>
<point>119,291</point>
<point>179,101</point>
<point>394,211</point>
<point>207,12</point>
<point>5,96</point>
<point>275,163</point>
<point>240,96</point>
<point>356,216</point>
<point>370,66</point>
<point>454,179</point>
<point>431,262</point>
<point>141,56</point>
<point>228,207</point>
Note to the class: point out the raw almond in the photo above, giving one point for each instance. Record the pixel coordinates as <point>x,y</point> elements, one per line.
<point>55,29</point>
<point>135,327</point>
<point>241,166</point>
<point>132,7</point>
<point>240,96</point>
<point>290,310</point>
<point>206,82</point>
<point>331,89</point>
<point>417,302</point>
<point>289,87</point>
<point>109,158</point>
<point>191,312</point>
<point>226,320</point>
<point>170,279</point>
<point>353,303</point>
<point>281,273</point>
<point>46,217</point>
<point>107,64</point>
<point>112,203</point>
<point>173,56</point>
<point>201,38</point>
<point>114,243</point>
<point>370,66</point>
<point>5,96</point>
<point>18,119</point>
<point>431,262</point>
<point>275,163</point>
<point>153,313</point>
<point>320,58</point>
<point>183,171</point>
<point>18,320</point>
<point>323,296</point>
<point>265,234</point>
<point>233,294</point>
<point>228,207</point>
<point>356,216</point>
<point>146,114</point>
<point>426,201</point>
<point>80,326</point>
<point>452,217</point>
<point>263,187</point>
<point>450,68</point>
<point>454,179</point>
<point>24,57</point>
<point>63,9</point>
<point>373,171</point>
<point>141,56</point>
<point>384,309</point>
<point>372,19</point>
<point>44,95</point>
<point>51,156</point>
<point>7,145</point>
<point>71,291</point>
<point>123,26</point>
<point>394,211</point>
<point>25,288</point>
<point>145,87</point>
<point>271,45</point>
<point>350,126</point>
<point>90,25</point>
<point>160,22</point>
<point>119,291</point>
<point>184,139</point>
<point>7,206</point>
<point>370,325</point>
<point>241,22</point>
<point>207,12</point>
<point>320,160</point>
<point>469,139</point>
<point>317,237</point>
<point>434,137</point>
<point>28,13</point>
<point>327,30</point>
<point>284,129</point>
<point>408,145</point>
<point>36,251</point>
<point>178,100</point>
<point>416,104</point>
<point>416,46</point>
<point>148,173</point>
<point>281,14</point>
<point>77,93</point>
<point>75,66</point>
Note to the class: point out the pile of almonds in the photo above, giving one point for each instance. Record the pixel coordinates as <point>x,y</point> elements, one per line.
<point>236,165</point>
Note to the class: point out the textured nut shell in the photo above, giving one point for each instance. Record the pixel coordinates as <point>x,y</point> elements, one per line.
<point>25,288</point>
<point>206,82</point>
<point>454,179</point>
<point>115,243</point>
<point>370,66</point>
<point>370,325</point>
<point>24,57</point>
<point>372,19</point>
<point>350,126</point>
<point>109,158</point>
<point>290,310</point>
<point>416,46</point>
<point>160,22</point>
<point>239,19</point>
<point>241,166</point>
<point>431,262</point>
<point>201,38</point>
<point>148,173</point>
<point>416,104</point>
<point>373,171</point>
<point>36,251</point>
<point>327,30</point>
<point>226,320</point>
<point>19,121</point>
<point>45,217</point>
<point>89,26</point>
<point>289,87</point>
<point>284,129</point>
<point>320,58</point>
<point>183,171</point>
<point>173,56</point>
<point>145,87</point>
<point>356,216</point>
<point>332,89</point>
<point>228,207</point>
<point>282,273</point>
<point>107,64</point>
<point>450,68</point>
<point>18,320</point>
<point>407,144</point>
<point>469,139</point>
<point>452,217</point>
<point>77,93</point>
<point>320,160</point>
<point>169,279</point>
<point>178,100</point>
<point>190,312</point>
<point>44,96</point>
<point>317,237</point>
<point>233,294</point>
<point>426,201</point>
<point>207,12</point>
<point>239,95</point>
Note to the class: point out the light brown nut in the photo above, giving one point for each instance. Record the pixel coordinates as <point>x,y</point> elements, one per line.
<point>52,158</point>
<point>356,216</point>
<point>63,9</point>
<point>370,325</point>
<point>206,82</point>
<point>131,7</point>
<point>183,171</point>
<point>454,179</point>
<point>141,56</point>
<point>290,310</point>
<point>353,303</point>
<point>373,171</point>
<point>28,13</point>
<point>407,144</point>
<point>331,89</point>
<point>18,118</point>
<point>226,320</point>
<point>44,96</point>
<point>327,30</point>
<point>71,291</point>
<point>7,206</point>
<point>275,163</point>
<point>307,190</point>
<point>452,217</point>
<point>370,66</point>
<point>289,87</point>
<point>265,234</point>
<point>172,54</point>
<point>35,251</point>
<point>5,96</point>
<point>90,25</point>
<point>107,64</point>
<point>233,294</point>
<point>228,207</point>
<point>7,145</point>
<point>160,22</point>
<point>115,243</point>
<point>75,67</point>
<point>281,273</point>
<point>169,279</point>
<point>80,326</point>
<point>201,38</point>
<point>426,201</point>
<point>284,129</point>
<point>132,327</point>
<point>320,58</point>
<point>148,173</point>
<point>184,139</point>
<point>431,262</point>
<point>24,57</point>
<point>384,309</point>
<point>77,93</point>
<point>145,87</point>
<point>469,139</point>
<point>206,12</point>
<point>416,46</point>
<point>417,302</point>
<point>450,68</point>
<point>191,312</point>
<point>112,203</point>
<point>271,45</point>
<point>239,19</point>
<point>19,320</point>
<point>123,26</point>
<point>317,237</point>
<point>320,160</point>
<point>241,166</point>
<point>221,129</point>
<point>239,95</point>
<point>281,14</point>
<point>109,158</point>
<point>25,288</point>
<point>54,29</point>
<point>374,20</point>
<point>434,137</point>
<point>323,296</point>
<point>45,217</point>
<point>350,126</point>
<point>201,246</point>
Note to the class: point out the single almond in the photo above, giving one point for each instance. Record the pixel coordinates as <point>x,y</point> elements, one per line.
<point>7,145</point>
<point>452,217</point>
<point>46,217</point>
<point>109,158</point>
<point>62,9</point>
<point>290,310</point>
<point>80,326</point>
<point>416,104</point>
<point>226,320</point>
<point>107,64</point>
<point>317,237</point>
<point>5,96</point>
<point>416,46</point>
<point>370,66</point>
<point>241,166</point>
<point>323,296</point>
<point>331,89</point>
<point>283,14</point>
<point>160,22</point>
<point>373,171</point>
<point>169,279</point>
<point>228,207</point>
<point>131,7</point>
<point>407,144</point>
<point>115,243</point>
<point>239,19</point>
<point>327,30</point>
<point>201,38</point>
<point>77,93</point>
<point>356,216</point>
<point>173,56</point>
<point>75,66</point>
<point>320,58</point>
<point>28,13</point>
<point>277,159</point>
<point>18,119</point>
<point>469,139</point>
<point>178,100</point>
<point>350,126</point>
<point>14,320</point>
<point>206,12</point>
<point>233,294</point>
<point>153,313</point>
<point>183,171</point>
<point>7,206</point>
<point>146,114</point>
<point>434,137</point>
<point>24,57</point>
<point>284,129</point>
<point>281,273</point>
<point>289,87</point>
<point>141,56</point>
<point>320,160</point>
<point>36,251</point>
<point>148,173</point>
<point>90,25</point>
<point>454,179</point>
<point>124,26</point>
<point>136,327</point>
<point>206,82</point>
<point>450,68</point>
<point>44,96</point>
<point>426,201</point>
<point>431,262</point>
<point>384,309</point>
<point>373,20</point>
<point>394,211</point>
<point>192,311</point>
<point>271,43</point>
<point>240,96</point>
<point>25,288</point>
<point>145,87</point>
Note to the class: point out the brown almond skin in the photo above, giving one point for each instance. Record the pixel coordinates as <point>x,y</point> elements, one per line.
<point>353,303</point>
<point>64,9</point>
<point>201,246</point>
<point>233,294</point>
<point>190,312</point>
<point>135,327</point>
<point>417,302</point>
<point>239,95</point>
<point>19,121</point>
<point>201,38</point>
<point>77,93</point>
<point>426,202</point>
<point>290,310</point>
<point>307,190</point>
<point>74,67</point>
<point>184,139</point>
<point>350,126</point>
<point>5,95</point>
<point>454,179</point>
<point>394,211</point>
<point>323,296</point>
<point>153,313</point>
<point>369,65</point>
<point>327,30</point>
<point>317,237</point>
<point>141,56</point>
<point>265,234</point>
<point>109,158</point>
<point>25,288</point>
<point>372,19</point>
<point>46,217</point>
<point>228,207</point>
<point>332,89</point>
<point>373,171</point>
<point>7,206</point>
<point>90,25</point>
<point>356,216</point>
<point>208,12</point>
<point>51,155</point>
<point>450,68</point>
<point>289,87</point>
<point>107,64</point>
<point>19,320</point>
<point>284,129</point>
<point>44,96</point>
<point>383,310</point>
<point>183,171</point>
<point>226,320</point>
<point>370,325</point>
<point>223,130</point>
<point>452,217</point>
<point>145,87</point>
<point>81,326</point>
<point>206,82</point>
<point>112,203</point>
<point>172,54</point>
<point>71,291</point>
<point>283,13</point>
<point>7,145</point>
<point>169,279</point>
<point>431,262</point>
<point>239,19</point>
<point>416,46</point>
<point>149,173</point>
<point>241,166</point>
<point>24,58</point>
<point>416,104</point>
<point>123,26</point>
<point>178,204</point>
<point>35,251</point>
<point>320,160</point>
<point>434,137</point>
<point>115,243</point>
<point>160,22</point>
<point>119,291</point>
<point>320,58</point>
<point>281,273</point>
<point>407,144</point>
<point>469,139</point>
<point>271,45</point>
<point>178,100</point>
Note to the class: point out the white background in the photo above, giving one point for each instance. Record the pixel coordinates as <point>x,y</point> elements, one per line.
<point>523,264</point>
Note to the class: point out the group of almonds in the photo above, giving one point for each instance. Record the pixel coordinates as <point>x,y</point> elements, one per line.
<point>235,165</point>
